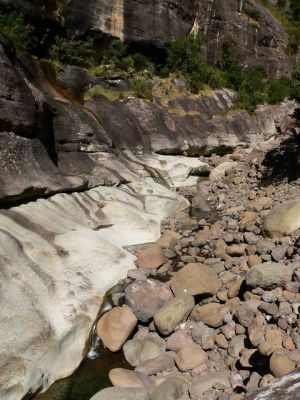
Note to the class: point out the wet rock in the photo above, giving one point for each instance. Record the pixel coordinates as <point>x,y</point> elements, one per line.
<point>116,326</point>
<point>139,350</point>
<point>280,363</point>
<point>211,314</point>
<point>174,312</point>
<point>116,393</point>
<point>151,258</point>
<point>196,279</point>
<point>146,298</point>
<point>269,275</point>
<point>170,389</point>
<point>190,356</point>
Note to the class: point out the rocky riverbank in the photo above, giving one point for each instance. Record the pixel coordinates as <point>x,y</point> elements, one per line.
<point>211,312</point>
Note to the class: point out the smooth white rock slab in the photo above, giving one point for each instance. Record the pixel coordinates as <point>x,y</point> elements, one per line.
<point>58,258</point>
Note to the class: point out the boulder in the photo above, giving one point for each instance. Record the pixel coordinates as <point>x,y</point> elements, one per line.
<point>170,389</point>
<point>211,314</point>
<point>190,356</point>
<point>174,312</point>
<point>139,350</point>
<point>147,297</point>
<point>151,257</point>
<point>281,364</point>
<point>125,378</point>
<point>222,169</point>
<point>115,327</point>
<point>116,393</point>
<point>283,219</point>
<point>269,275</point>
<point>196,279</point>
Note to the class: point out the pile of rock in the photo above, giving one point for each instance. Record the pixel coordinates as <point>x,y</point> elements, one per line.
<point>212,312</point>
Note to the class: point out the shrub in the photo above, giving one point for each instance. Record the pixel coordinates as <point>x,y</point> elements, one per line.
<point>278,90</point>
<point>74,51</point>
<point>142,87</point>
<point>14,27</point>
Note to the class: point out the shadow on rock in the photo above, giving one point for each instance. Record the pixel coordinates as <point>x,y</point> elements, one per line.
<point>282,162</point>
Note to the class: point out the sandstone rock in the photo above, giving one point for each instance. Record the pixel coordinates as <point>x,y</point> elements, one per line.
<point>151,258</point>
<point>125,378</point>
<point>235,288</point>
<point>283,219</point>
<point>170,389</point>
<point>254,260</point>
<point>221,341</point>
<point>235,250</point>
<point>248,218</point>
<point>245,314</point>
<point>190,356</point>
<point>177,340</point>
<point>245,357</point>
<point>256,330</point>
<point>115,327</point>
<point>146,298</point>
<point>157,364</point>
<point>174,312</point>
<point>200,203</point>
<point>139,350</point>
<point>269,275</point>
<point>219,172</point>
<point>272,342</point>
<point>208,381</point>
<point>212,314</point>
<point>196,279</point>
<point>116,393</point>
<point>236,344</point>
<point>168,239</point>
<point>280,363</point>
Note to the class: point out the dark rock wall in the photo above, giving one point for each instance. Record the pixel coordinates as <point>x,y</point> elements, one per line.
<point>258,35</point>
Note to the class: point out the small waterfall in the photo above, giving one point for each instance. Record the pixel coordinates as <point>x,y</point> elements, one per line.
<point>95,341</point>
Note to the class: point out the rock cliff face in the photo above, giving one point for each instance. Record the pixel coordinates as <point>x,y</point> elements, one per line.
<point>258,35</point>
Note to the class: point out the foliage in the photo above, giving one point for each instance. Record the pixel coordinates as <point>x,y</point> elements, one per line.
<point>74,51</point>
<point>14,27</point>
<point>142,87</point>
<point>118,56</point>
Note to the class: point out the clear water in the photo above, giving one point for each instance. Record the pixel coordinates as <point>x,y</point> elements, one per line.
<point>90,377</point>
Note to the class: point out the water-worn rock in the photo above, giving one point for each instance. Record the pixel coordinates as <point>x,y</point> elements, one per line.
<point>212,314</point>
<point>174,312</point>
<point>196,279</point>
<point>283,219</point>
<point>126,378</point>
<point>139,350</point>
<point>219,172</point>
<point>151,257</point>
<point>190,356</point>
<point>170,389</point>
<point>280,363</point>
<point>116,393</point>
<point>269,275</point>
<point>115,327</point>
<point>207,381</point>
<point>146,298</point>
<point>153,366</point>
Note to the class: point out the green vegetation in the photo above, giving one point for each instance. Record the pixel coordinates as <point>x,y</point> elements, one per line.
<point>76,52</point>
<point>14,27</point>
<point>295,83</point>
